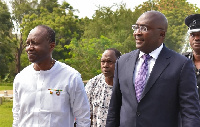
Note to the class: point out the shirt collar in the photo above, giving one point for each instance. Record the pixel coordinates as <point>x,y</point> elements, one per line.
<point>154,53</point>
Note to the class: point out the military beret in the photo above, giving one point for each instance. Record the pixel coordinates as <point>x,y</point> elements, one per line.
<point>193,23</point>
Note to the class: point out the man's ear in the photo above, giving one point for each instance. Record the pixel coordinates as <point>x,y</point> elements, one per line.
<point>52,46</point>
<point>162,34</point>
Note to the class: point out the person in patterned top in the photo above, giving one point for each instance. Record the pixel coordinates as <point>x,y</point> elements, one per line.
<point>99,88</point>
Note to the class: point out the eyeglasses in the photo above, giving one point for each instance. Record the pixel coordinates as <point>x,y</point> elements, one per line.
<point>141,28</point>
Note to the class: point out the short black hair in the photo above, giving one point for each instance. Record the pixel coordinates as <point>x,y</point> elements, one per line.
<point>117,53</point>
<point>50,33</point>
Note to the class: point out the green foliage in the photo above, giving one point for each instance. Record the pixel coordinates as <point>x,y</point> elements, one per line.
<point>21,8</point>
<point>80,42</point>
<point>86,54</point>
<point>24,60</point>
<point>5,21</point>
<point>176,11</point>
<point>48,4</point>
<point>115,25</point>
<point>64,24</point>
<point>6,57</point>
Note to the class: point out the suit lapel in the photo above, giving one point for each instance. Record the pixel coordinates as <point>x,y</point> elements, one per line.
<point>160,65</point>
<point>130,67</point>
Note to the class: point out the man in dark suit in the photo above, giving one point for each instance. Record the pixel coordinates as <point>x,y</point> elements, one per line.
<point>165,87</point>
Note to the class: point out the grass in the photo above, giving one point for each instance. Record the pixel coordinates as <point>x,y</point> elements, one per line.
<point>6,117</point>
<point>6,86</point>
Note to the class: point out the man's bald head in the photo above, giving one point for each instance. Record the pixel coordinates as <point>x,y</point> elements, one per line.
<point>157,19</point>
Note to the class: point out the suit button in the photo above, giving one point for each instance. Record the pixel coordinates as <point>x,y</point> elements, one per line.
<point>138,113</point>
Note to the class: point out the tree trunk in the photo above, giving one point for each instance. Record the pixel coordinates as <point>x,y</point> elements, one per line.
<point>18,54</point>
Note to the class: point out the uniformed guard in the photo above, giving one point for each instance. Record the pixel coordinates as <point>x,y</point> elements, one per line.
<point>193,23</point>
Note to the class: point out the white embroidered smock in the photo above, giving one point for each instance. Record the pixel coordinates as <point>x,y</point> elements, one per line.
<point>52,98</point>
<point>99,95</point>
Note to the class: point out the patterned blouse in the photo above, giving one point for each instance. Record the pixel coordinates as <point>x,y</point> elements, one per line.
<point>99,95</point>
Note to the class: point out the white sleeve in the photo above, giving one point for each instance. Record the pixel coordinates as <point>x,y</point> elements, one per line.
<point>16,106</point>
<point>88,89</point>
<point>79,102</point>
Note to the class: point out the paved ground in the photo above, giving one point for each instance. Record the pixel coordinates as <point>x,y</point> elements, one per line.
<point>9,94</point>
<point>8,91</point>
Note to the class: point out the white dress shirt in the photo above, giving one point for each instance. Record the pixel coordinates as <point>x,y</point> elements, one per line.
<point>154,55</point>
<point>52,98</point>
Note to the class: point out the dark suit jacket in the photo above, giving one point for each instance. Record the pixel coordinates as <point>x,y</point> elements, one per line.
<point>170,89</point>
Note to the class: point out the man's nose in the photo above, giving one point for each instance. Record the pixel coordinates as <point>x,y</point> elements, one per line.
<point>30,46</point>
<point>137,31</point>
<point>197,37</point>
<point>106,64</point>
